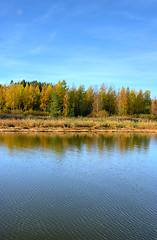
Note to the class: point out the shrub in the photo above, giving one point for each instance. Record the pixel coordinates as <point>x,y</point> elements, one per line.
<point>106,125</point>
<point>148,116</point>
<point>103,113</point>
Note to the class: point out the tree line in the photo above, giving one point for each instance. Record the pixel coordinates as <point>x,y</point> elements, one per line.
<point>61,100</point>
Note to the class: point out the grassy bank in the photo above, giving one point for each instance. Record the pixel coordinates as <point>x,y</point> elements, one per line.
<point>47,124</point>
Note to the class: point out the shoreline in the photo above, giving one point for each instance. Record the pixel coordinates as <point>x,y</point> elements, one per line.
<point>79,130</point>
<point>84,125</point>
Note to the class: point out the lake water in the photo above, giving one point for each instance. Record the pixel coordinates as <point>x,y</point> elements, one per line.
<point>78,186</point>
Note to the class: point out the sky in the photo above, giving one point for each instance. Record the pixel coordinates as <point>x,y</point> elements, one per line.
<point>84,42</point>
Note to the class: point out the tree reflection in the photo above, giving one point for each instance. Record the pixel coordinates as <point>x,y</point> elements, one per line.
<point>61,142</point>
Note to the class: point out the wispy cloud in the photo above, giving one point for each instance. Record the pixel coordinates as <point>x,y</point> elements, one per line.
<point>11,62</point>
<point>3,12</point>
<point>82,9</point>
<point>128,15</point>
<point>142,3</point>
<point>116,33</point>
<point>8,8</point>
<point>19,12</point>
<point>38,50</point>
<point>53,35</point>
<point>53,9</point>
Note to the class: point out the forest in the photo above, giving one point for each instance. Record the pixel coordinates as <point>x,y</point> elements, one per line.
<point>61,100</point>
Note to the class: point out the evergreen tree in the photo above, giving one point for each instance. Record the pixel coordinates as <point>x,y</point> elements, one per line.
<point>147,102</point>
<point>54,107</point>
<point>111,101</point>
<point>140,103</point>
<point>131,102</point>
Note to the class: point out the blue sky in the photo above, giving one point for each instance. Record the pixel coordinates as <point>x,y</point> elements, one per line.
<point>83,42</point>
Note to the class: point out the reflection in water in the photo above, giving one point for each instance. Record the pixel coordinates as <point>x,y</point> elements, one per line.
<point>60,142</point>
<point>78,186</point>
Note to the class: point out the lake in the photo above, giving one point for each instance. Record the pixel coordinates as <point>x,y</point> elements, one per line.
<point>78,186</point>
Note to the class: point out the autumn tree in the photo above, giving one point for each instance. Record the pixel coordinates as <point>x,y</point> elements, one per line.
<point>70,102</point>
<point>60,90</point>
<point>43,98</point>
<point>2,96</point>
<point>154,107</point>
<point>122,102</point>
<point>48,97</point>
<point>20,90</point>
<point>12,96</point>
<point>26,96</point>
<point>103,97</point>
<point>34,97</point>
<point>90,100</point>
<point>96,102</point>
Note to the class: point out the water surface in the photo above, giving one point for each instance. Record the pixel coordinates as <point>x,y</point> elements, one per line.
<point>78,186</point>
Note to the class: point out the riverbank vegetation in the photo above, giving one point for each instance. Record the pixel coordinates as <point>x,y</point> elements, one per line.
<point>80,124</point>
<point>44,107</point>
<point>41,99</point>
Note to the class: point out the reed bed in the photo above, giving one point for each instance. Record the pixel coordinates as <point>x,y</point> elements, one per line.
<point>77,124</point>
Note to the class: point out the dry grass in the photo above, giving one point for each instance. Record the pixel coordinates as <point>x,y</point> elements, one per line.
<point>76,124</point>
